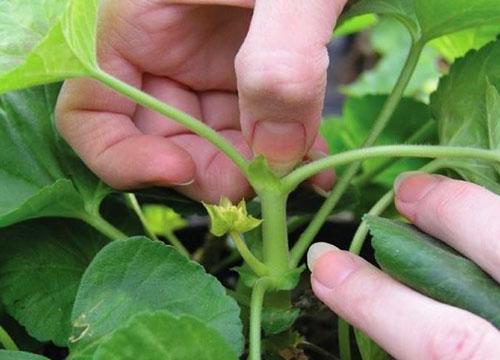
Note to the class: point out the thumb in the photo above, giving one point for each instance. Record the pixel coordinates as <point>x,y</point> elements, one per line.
<point>281,72</point>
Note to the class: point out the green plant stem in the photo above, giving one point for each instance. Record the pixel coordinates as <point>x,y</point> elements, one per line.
<point>422,133</point>
<point>274,231</point>
<point>7,341</point>
<point>176,243</point>
<point>258,293</point>
<point>419,151</point>
<point>134,204</point>
<point>103,226</point>
<point>343,184</point>
<point>396,94</point>
<point>176,115</point>
<point>169,235</point>
<point>344,330</point>
<point>257,266</point>
<point>380,206</point>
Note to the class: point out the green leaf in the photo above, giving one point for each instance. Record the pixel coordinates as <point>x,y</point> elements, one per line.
<point>41,264</point>
<point>392,44</point>
<point>348,132</point>
<point>20,355</point>
<point>368,349</point>
<point>161,219</point>
<point>39,175</point>
<point>165,337</point>
<point>354,25</point>
<point>434,269</point>
<point>46,41</point>
<point>135,275</point>
<point>466,107</point>
<point>454,46</point>
<point>275,320</point>
<point>429,19</point>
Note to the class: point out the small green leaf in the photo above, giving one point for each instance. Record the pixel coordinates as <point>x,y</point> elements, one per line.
<point>46,42</point>
<point>275,321</point>
<point>165,337</point>
<point>135,275</point>
<point>226,217</point>
<point>466,107</point>
<point>20,355</point>
<point>434,269</point>
<point>39,175</point>
<point>161,219</point>
<point>429,19</point>
<point>290,279</point>
<point>41,264</point>
<point>368,349</point>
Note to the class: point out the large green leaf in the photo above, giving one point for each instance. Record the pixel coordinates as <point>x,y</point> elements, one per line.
<point>431,267</point>
<point>41,264</point>
<point>389,40</point>
<point>348,133</point>
<point>136,275</point>
<point>466,106</point>
<point>46,41</point>
<point>19,355</point>
<point>428,19</point>
<point>39,174</point>
<point>165,337</point>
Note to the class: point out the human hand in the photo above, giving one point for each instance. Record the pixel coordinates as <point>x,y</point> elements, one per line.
<point>253,70</point>
<point>405,323</point>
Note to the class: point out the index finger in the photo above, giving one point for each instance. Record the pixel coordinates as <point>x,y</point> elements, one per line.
<point>464,215</point>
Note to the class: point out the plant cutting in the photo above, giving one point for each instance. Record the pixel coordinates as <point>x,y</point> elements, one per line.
<point>72,274</point>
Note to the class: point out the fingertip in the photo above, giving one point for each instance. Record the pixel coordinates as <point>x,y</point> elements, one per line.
<point>281,143</point>
<point>410,188</point>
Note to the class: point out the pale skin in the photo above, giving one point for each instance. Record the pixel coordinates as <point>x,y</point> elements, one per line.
<point>255,71</point>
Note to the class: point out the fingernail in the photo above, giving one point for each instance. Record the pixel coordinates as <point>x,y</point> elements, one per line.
<point>282,143</point>
<point>187,183</point>
<point>316,251</point>
<point>411,187</point>
<point>330,266</point>
<point>320,191</point>
<point>316,155</point>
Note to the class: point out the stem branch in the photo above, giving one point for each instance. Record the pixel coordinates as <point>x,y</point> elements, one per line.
<point>255,264</point>
<point>420,151</point>
<point>103,226</point>
<point>176,115</point>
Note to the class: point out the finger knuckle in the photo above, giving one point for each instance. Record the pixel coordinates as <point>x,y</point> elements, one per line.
<point>290,77</point>
<point>450,197</point>
<point>491,246</point>
<point>364,291</point>
<point>461,339</point>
